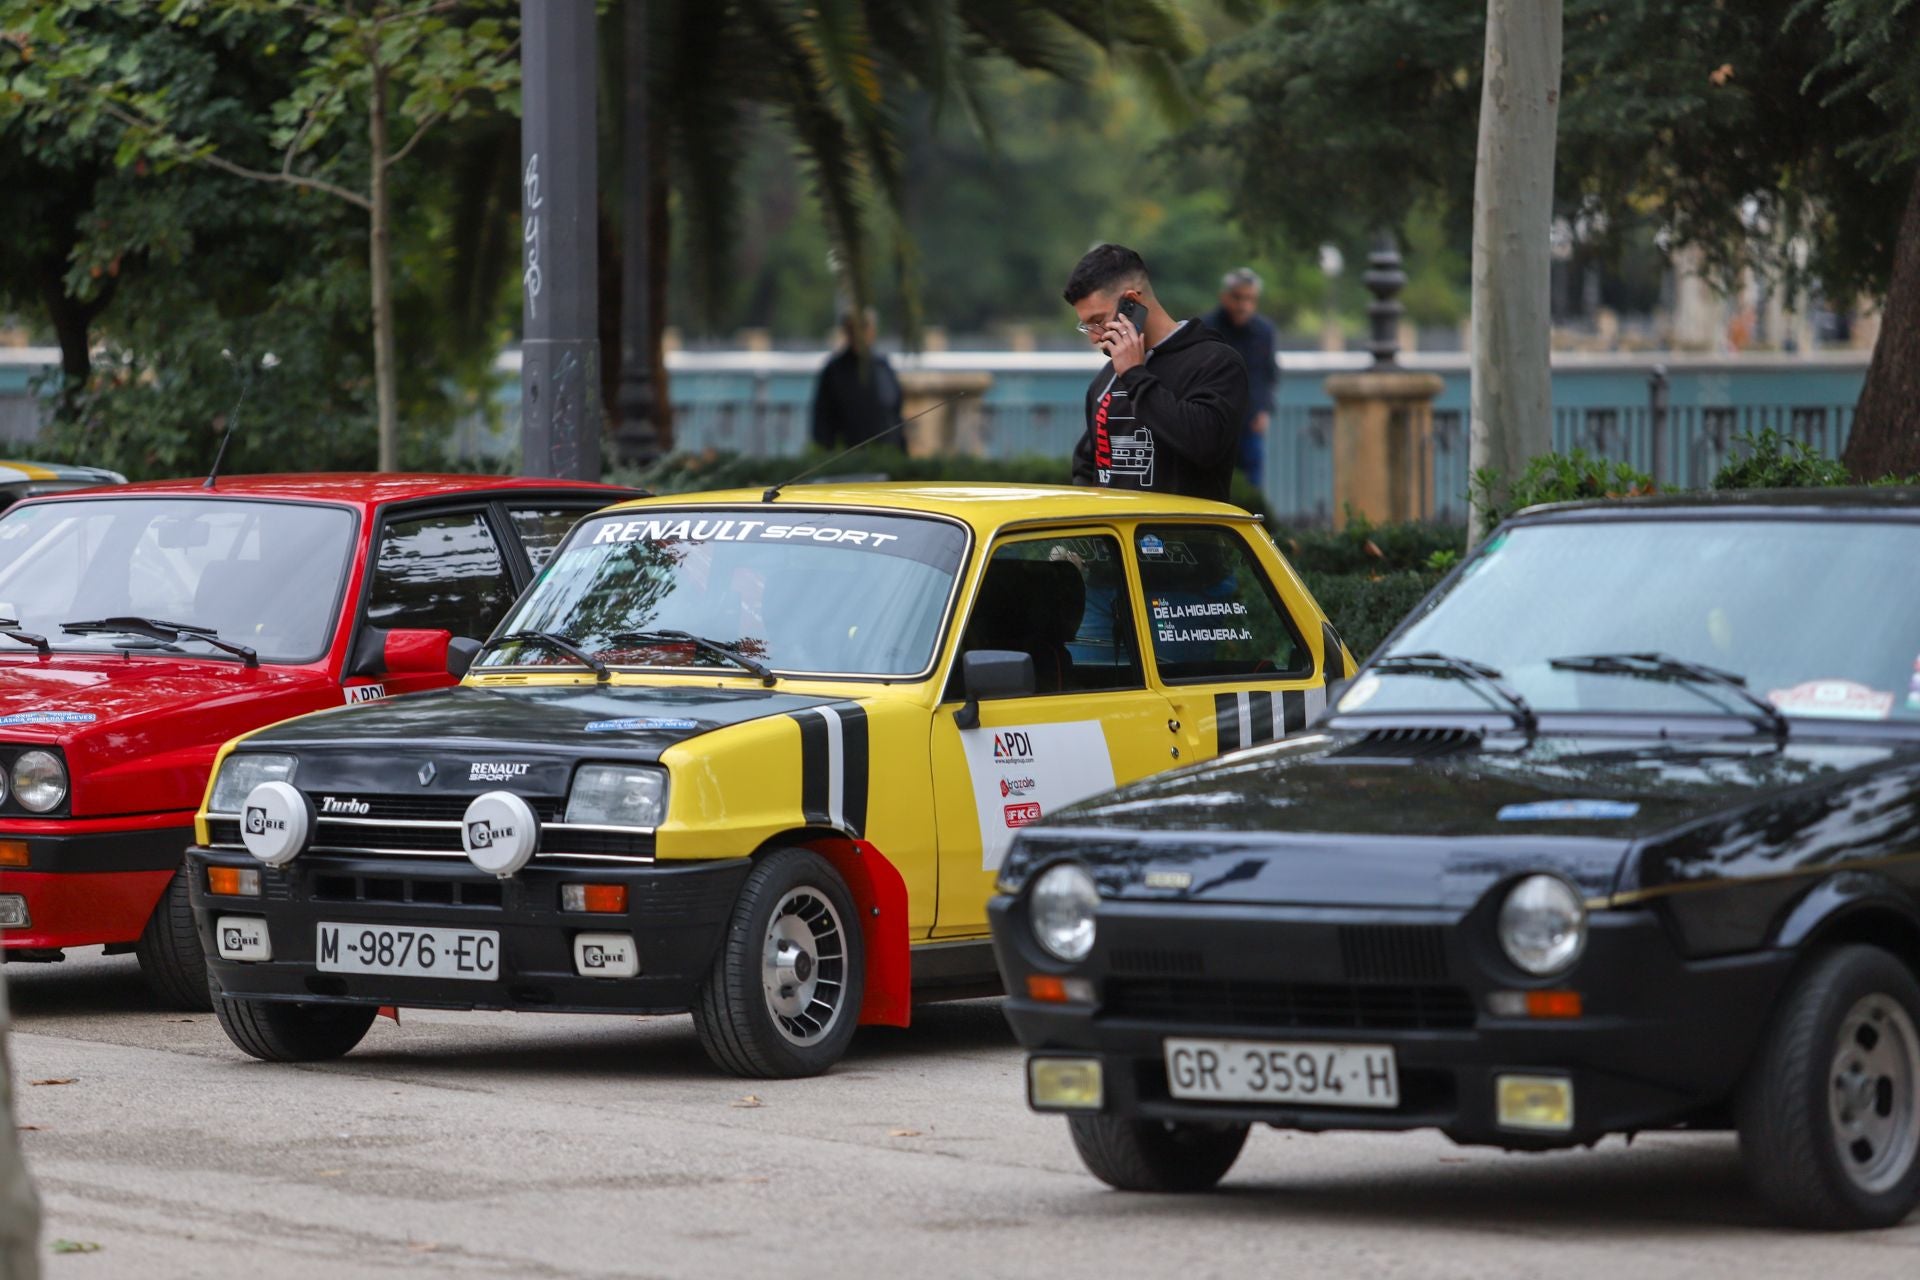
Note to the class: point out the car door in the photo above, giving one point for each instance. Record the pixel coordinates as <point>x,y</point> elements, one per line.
<point>442,568</point>
<point>1228,649</point>
<point>1066,598</point>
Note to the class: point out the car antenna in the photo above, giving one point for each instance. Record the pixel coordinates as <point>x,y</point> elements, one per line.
<point>233,420</point>
<point>824,463</point>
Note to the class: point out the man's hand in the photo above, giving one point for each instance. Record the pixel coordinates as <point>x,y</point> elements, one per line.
<point>1125,345</point>
<point>1260,424</point>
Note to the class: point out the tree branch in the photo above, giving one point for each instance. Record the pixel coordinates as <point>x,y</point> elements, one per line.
<point>241,171</point>
<point>293,148</point>
<point>418,133</point>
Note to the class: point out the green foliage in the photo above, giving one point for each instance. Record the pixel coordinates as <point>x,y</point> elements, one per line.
<point>1363,548</point>
<point>1774,461</point>
<point>1706,118</point>
<point>1554,477</point>
<point>1364,607</point>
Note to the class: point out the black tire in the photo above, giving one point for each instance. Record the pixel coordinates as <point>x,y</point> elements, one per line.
<point>281,1031</point>
<point>735,1012</point>
<point>1802,1088</point>
<point>1156,1155</point>
<point>171,959</point>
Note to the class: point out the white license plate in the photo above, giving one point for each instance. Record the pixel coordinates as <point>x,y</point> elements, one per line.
<point>1321,1075</point>
<point>416,952</point>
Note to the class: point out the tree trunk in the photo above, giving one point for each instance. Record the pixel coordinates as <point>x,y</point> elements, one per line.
<point>1512,393</point>
<point>380,254</point>
<point>1886,419</point>
<point>19,1206</point>
<point>72,321</point>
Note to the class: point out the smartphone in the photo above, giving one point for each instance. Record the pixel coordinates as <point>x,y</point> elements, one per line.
<point>1135,313</point>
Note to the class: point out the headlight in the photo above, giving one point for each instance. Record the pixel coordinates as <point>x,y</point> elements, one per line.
<point>1062,908</point>
<point>39,781</point>
<point>241,774</point>
<point>618,795</point>
<point>1543,925</point>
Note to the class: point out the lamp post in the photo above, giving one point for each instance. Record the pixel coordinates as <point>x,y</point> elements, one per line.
<point>559,349</point>
<point>637,439</point>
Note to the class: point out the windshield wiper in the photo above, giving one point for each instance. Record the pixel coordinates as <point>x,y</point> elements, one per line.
<point>713,647</point>
<point>10,628</point>
<point>559,644</point>
<point>1664,666</point>
<point>1478,674</point>
<point>163,631</point>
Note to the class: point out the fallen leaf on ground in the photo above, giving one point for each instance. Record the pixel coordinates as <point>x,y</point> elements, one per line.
<point>751,1100</point>
<point>74,1246</point>
<point>421,1246</point>
<point>903,1133</point>
<point>26,1128</point>
<point>56,1080</point>
<point>330,1173</point>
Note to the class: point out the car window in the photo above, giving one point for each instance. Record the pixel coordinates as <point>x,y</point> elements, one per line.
<point>542,530</point>
<point>1063,600</point>
<point>264,574</point>
<point>1212,609</point>
<point>440,572</point>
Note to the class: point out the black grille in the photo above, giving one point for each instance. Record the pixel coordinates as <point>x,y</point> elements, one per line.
<point>1407,744</point>
<point>1273,1005</point>
<point>1155,961</point>
<point>439,892</point>
<point>340,835</point>
<point>1393,952</point>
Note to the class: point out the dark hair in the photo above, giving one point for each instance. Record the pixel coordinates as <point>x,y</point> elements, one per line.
<point>1104,266</point>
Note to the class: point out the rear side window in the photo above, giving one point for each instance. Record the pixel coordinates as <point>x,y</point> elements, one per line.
<point>542,530</point>
<point>1213,612</point>
<point>441,572</point>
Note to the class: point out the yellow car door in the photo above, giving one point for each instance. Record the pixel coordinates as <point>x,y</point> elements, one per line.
<point>1067,599</point>
<point>1236,643</point>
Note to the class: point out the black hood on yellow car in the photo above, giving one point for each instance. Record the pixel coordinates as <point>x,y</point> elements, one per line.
<point>629,722</point>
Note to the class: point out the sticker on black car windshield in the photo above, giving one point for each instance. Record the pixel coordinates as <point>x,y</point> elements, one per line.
<point>641,725</point>
<point>1836,699</point>
<point>1567,810</point>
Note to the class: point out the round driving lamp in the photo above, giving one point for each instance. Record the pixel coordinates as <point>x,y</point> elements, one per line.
<point>1062,907</point>
<point>39,781</point>
<point>1543,925</point>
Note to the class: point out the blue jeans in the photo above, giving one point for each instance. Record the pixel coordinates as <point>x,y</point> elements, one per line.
<point>1253,456</point>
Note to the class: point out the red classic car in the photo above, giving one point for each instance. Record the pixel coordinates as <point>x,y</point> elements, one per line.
<point>143,626</point>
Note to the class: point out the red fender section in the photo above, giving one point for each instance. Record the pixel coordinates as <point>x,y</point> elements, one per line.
<point>880,895</point>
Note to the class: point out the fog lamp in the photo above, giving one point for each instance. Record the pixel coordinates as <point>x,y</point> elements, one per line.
<point>1534,1102</point>
<point>1065,1084</point>
<point>610,899</point>
<point>13,853</point>
<point>605,955</point>
<point>13,912</point>
<point>234,882</point>
<point>1057,990</point>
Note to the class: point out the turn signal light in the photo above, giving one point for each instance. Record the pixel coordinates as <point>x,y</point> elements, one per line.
<point>1535,1004</point>
<point>236,882</point>
<point>1057,990</point>
<point>607,899</point>
<point>13,853</point>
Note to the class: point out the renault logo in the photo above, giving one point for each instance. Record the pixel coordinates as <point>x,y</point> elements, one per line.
<point>426,773</point>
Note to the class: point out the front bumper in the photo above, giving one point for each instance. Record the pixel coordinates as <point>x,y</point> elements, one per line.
<point>89,882</point>
<point>1661,1041</point>
<point>676,912</point>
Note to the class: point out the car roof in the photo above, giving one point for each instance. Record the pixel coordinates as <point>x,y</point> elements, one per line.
<point>1858,498</point>
<point>353,488</point>
<point>985,506</point>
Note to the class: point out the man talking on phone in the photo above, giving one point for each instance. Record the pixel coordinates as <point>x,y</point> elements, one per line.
<point>1165,412</point>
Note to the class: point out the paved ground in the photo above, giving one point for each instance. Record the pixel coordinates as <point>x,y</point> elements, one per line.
<point>543,1146</point>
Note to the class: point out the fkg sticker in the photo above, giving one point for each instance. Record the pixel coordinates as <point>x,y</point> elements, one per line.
<point>49,717</point>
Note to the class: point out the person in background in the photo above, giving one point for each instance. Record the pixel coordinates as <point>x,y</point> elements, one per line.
<point>858,394</point>
<point>1238,320</point>
<point>1164,414</point>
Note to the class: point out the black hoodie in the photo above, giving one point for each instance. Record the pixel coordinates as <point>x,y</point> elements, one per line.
<point>1171,425</point>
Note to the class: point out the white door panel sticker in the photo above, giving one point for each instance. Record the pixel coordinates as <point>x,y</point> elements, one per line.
<point>1024,772</point>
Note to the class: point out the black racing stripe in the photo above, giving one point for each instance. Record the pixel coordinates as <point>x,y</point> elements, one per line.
<point>1226,719</point>
<point>813,766</point>
<point>855,770</point>
<point>1260,715</point>
<point>1293,705</point>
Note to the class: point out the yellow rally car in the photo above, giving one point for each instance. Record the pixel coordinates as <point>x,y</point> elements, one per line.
<point>751,755</point>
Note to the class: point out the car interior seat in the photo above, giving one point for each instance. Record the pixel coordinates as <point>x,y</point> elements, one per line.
<point>1032,607</point>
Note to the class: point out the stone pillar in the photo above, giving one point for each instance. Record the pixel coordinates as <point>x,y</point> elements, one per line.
<point>1383,418</point>
<point>953,429</point>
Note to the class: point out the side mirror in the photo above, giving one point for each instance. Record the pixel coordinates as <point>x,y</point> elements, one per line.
<point>410,651</point>
<point>1335,688</point>
<point>461,651</point>
<point>992,673</point>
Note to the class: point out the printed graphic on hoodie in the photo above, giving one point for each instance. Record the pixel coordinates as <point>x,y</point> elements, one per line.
<point>1128,452</point>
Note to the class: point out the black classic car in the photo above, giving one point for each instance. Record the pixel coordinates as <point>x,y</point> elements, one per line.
<point>1619,831</point>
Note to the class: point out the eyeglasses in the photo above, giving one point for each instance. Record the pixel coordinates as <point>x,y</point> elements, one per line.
<point>1094,327</point>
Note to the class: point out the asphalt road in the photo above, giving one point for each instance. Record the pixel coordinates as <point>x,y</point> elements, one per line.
<point>545,1146</point>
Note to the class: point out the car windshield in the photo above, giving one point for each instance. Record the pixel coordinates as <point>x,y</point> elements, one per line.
<point>266,575</point>
<point>805,592</point>
<point>1605,615</point>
